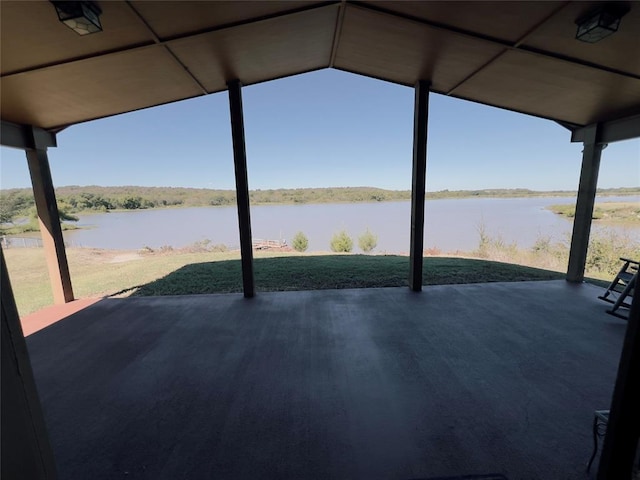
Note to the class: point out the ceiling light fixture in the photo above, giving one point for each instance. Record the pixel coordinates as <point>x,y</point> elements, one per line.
<point>600,23</point>
<point>80,16</point>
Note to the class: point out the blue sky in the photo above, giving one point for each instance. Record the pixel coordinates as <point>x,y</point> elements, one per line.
<point>321,129</point>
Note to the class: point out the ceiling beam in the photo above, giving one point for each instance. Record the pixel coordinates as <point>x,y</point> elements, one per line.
<point>26,137</point>
<point>516,44</point>
<point>173,56</point>
<point>569,125</point>
<point>69,61</point>
<point>613,131</point>
<point>337,33</point>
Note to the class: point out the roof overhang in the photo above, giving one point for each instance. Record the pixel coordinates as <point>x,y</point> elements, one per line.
<point>521,56</point>
<point>609,132</point>
<point>26,137</point>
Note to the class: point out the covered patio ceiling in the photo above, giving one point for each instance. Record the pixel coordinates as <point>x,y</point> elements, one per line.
<point>522,56</point>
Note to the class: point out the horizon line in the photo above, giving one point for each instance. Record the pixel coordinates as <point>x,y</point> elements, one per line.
<point>485,189</point>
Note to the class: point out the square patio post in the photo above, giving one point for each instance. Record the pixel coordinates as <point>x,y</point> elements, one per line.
<point>50,229</point>
<point>418,183</point>
<point>26,450</point>
<point>242,186</point>
<point>584,204</point>
<point>623,429</point>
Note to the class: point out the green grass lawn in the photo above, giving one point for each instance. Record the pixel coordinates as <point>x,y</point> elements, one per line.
<point>335,271</point>
<point>105,272</point>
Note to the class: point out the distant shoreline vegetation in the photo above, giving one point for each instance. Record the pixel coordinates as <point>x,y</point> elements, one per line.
<point>134,198</point>
<point>623,213</point>
<point>18,202</point>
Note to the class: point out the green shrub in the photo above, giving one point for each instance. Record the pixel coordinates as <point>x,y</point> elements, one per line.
<point>341,242</point>
<point>300,242</point>
<point>566,210</point>
<point>34,225</point>
<point>219,248</point>
<point>485,241</point>
<point>606,246</point>
<point>367,241</point>
<point>605,249</point>
<point>65,216</point>
<point>205,245</point>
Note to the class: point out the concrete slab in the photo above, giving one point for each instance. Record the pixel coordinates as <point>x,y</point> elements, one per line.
<point>372,383</point>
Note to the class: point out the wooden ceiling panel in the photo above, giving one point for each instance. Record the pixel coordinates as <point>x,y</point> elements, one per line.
<point>404,51</point>
<point>553,89</point>
<point>95,88</point>
<point>173,18</point>
<point>33,36</point>
<point>260,51</point>
<point>507,21</point>
<point>52,77</point>
<point>620,51</point>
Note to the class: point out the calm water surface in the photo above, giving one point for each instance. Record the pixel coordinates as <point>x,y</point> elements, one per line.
<point>450,225</point>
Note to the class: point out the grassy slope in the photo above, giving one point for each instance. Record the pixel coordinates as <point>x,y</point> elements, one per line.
<point>335,271</point>
<point>96,272</point>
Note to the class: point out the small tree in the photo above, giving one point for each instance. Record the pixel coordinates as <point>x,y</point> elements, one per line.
<point>63,215</point>
<point>367,241</point>
<point>300,242</point>
<point>132,203</point>
<point>341,242</point>
<point>13,205</point>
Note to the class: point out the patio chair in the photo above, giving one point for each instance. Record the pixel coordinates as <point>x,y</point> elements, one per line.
<point>600,422</point>
<point>621,290</point>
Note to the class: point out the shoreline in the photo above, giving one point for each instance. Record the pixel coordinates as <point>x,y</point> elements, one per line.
<point>429,197</point>
<point>617,213</point>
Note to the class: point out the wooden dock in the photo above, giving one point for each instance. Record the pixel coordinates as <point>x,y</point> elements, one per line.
<point>262,244</point>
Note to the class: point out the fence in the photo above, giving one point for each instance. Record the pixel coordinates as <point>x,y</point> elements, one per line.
<point>20,242</point>
<point>12,241</point>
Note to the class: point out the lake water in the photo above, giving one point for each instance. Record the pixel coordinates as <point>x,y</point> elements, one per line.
<point>450,225</point>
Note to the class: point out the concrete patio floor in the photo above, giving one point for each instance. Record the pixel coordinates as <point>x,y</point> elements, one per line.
<point>368,383</point>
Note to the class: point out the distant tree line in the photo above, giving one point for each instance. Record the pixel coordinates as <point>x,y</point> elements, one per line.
<point>16,203</point>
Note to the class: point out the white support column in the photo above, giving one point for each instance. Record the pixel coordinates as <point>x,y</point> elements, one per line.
<point>50,228</point>
<point>584,204</point>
